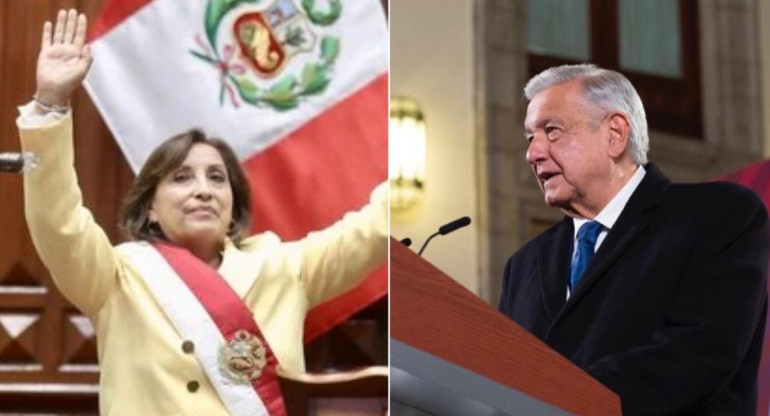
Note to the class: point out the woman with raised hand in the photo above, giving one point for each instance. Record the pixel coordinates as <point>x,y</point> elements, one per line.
<point>191,316</point>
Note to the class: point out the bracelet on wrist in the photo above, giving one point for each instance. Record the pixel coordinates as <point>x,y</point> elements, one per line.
<point>50,108</point>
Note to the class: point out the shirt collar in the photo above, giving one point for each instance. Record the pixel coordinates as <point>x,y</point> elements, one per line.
<point>609,215</point>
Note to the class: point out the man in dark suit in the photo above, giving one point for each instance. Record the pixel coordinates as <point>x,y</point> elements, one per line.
<point>656,289</point>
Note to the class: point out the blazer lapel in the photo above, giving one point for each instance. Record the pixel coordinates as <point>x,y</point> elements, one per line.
<point>553,267</point>
<point>635,218</point>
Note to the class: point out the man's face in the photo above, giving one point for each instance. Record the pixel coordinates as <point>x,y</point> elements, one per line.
<point>568,149</point>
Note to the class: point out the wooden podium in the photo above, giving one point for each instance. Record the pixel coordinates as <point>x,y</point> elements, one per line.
<point>452,354</point>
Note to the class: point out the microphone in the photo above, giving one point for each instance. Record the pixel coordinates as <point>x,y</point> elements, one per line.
<point>406,241</point>
<point>458,223</point>
<point>446,229</point>
<point>18,162</point>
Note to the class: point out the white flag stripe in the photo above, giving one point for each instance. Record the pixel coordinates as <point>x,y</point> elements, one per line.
<point>148,86</point>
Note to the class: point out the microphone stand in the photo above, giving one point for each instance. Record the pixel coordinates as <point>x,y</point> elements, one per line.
<point>446,229</point>
<point>425,244</point>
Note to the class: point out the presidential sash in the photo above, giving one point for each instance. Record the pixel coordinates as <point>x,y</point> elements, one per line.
<point>204,309</point>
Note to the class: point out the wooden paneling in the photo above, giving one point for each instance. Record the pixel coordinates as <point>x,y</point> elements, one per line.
<point>47,349</point>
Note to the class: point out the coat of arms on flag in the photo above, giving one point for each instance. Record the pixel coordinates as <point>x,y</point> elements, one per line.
<point>252,52</point>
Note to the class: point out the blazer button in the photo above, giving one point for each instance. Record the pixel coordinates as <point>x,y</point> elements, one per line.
<point>193,386</point>
<point>188,347</point>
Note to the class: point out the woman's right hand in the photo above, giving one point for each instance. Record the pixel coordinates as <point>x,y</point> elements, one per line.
<point>64,58</point>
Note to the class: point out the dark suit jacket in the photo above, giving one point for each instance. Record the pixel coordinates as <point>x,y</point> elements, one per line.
<point>670,313</point>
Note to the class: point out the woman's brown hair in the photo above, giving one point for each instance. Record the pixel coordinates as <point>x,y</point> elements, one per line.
<point>134,215</point>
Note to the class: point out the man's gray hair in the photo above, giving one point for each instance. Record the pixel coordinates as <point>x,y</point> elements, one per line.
<point>608,90</point>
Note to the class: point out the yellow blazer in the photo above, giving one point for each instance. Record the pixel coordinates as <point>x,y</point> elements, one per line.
<point>144,370</point>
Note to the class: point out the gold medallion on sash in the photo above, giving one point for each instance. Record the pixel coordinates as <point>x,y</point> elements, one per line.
<point>242,359</point>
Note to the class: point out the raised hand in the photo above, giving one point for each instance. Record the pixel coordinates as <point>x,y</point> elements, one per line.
<point>64,59</point>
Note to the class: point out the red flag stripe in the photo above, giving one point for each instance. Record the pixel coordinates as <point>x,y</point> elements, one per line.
<point>748,176</point>
<point>329,314</point>
<point>320,171</point>
<point>755,176</point>
<point>762,183</point>
<point>113,13</point>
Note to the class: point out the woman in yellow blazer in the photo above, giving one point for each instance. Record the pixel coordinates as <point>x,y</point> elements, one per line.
<point>158,303</point>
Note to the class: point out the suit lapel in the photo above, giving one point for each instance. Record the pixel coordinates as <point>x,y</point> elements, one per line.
<point>553,267</point>
<point>637,215</point>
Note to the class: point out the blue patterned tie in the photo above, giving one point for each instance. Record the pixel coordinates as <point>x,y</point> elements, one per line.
<point>587,235</point>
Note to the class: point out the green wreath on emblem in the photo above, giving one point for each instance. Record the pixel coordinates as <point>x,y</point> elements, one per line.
<point>285,93</point>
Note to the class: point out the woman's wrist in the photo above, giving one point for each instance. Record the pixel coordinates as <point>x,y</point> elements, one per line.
<point>50,105</point>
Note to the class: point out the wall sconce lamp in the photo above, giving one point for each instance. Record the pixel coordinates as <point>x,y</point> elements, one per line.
<point>406,158</point>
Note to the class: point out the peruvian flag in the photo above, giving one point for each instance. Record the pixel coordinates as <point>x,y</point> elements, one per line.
<point>298,88</point>
<point>757,177</point>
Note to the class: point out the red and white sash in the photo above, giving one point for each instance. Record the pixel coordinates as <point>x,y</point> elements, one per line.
<point>204,309</point>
